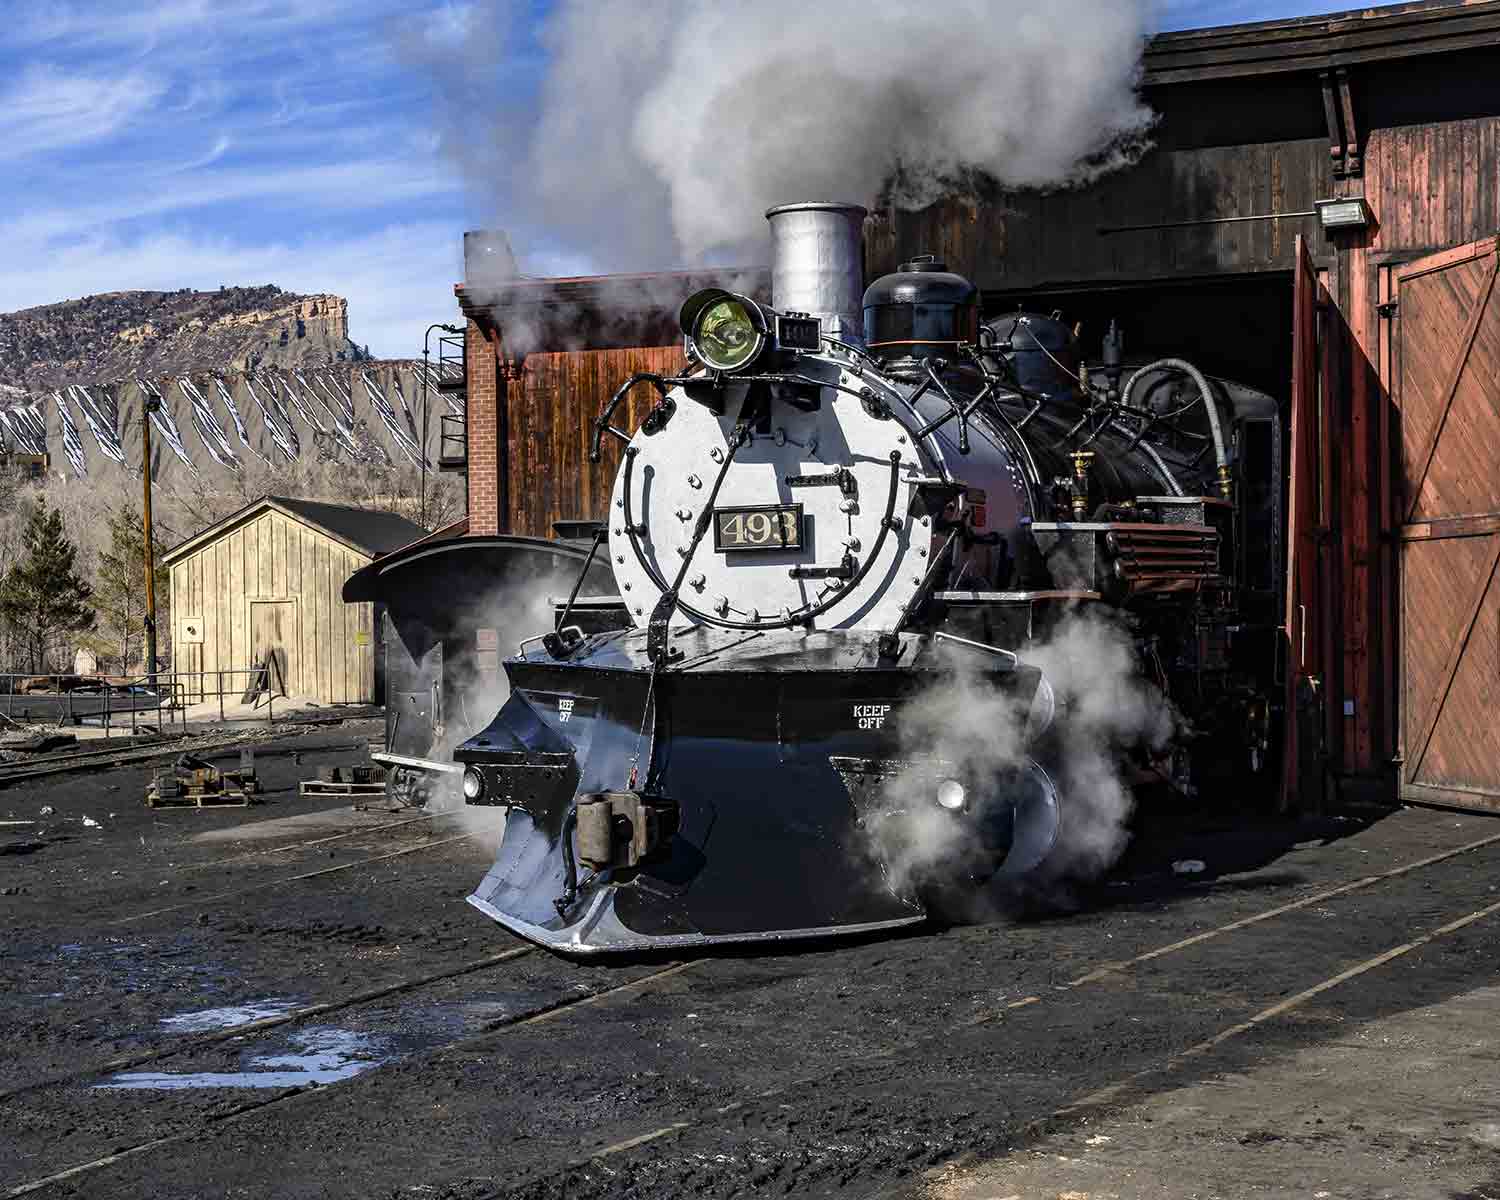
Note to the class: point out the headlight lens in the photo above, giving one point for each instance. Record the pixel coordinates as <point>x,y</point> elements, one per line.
<point>473,784</point>
<point>951,795</point>
<point>726,335</point>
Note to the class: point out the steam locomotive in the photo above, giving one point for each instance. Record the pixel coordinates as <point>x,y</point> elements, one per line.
<point>851,498</point>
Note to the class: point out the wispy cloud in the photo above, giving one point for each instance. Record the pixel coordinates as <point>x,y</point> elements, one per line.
<point>192,143</point>
<point>179,143</point>
<point>48,108</point>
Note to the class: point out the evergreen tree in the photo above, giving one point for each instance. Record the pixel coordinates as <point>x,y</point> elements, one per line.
<point>121,577</point>
<point>42,597</point>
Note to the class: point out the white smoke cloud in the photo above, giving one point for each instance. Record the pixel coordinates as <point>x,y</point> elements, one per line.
<point>657,132</point>
<point>982,735</point>
<point>515,611</point>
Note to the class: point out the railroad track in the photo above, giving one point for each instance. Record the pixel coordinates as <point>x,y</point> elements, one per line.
<point>197,902</point>
<point>1099,1098</point>
<point>776,1095</point>
<point>87,760</point>
<point>503,1025</point>
<point>317,841</point>
<point>263,1024</point>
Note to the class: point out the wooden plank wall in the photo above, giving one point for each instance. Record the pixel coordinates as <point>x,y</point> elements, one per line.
<point>551,417</point>
<point>1430,186</point>
<point>1029,239</point>
<point>270,557</point>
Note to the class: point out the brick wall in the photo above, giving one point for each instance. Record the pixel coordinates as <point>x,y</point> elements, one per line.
<point>483,432</point>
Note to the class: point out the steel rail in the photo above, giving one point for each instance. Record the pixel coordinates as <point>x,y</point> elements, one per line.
<point>500,1026</point>
<point>648,1137</point>
<point>260,1025</point>
<point>317,841</point>
<point>199,901</point>
<point>61,764</point>
<point>1103,971</point>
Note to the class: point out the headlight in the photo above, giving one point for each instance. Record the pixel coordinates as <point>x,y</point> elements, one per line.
<point>728,331</point>
<point>951,795</point>
<point>473,785</point>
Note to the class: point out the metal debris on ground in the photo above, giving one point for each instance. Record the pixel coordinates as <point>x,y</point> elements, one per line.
<point>196,782</point>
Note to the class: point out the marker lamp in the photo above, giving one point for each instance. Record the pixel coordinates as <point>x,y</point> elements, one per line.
<point>473,785</point>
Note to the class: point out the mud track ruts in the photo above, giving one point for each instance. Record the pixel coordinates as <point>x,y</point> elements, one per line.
<point>761,1100</point>
<point>516,1021</point>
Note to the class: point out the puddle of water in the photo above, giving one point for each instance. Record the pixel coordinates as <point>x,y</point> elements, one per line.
<point>209,1019</point>
<point>326,1055</point>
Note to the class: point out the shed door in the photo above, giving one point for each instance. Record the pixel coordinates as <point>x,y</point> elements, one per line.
<point>273,633</point>
<point>1447,388</point>
<point>1303,623</point>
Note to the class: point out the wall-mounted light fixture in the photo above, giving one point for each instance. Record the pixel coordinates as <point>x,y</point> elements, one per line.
<point>1351,212</point>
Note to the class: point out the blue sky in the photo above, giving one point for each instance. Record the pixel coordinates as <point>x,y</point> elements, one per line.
<point>193,143</point>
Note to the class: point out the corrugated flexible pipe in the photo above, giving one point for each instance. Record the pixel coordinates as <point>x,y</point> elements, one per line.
<point>1181,364</point>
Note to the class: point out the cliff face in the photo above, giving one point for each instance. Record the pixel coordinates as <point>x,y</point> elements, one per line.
<point>124,335</point>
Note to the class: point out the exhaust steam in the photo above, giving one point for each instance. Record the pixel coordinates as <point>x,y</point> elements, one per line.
<point>647,134</point>
<point>1104,707</point>
<point>518,609</point>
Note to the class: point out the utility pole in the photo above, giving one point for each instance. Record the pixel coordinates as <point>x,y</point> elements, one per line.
<point>151,406</point>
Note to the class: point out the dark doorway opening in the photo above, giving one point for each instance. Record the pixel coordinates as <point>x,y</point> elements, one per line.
<point>1237,328</point>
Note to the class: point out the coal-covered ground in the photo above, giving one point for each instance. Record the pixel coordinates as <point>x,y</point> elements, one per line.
<point>1337,1043</point>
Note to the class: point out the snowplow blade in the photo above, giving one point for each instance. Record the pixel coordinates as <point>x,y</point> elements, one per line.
<point>705,805</point>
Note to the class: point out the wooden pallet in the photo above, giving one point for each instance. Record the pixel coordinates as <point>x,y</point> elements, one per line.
<point>194,783</point>
<point>323,787</point>
<point>196,796</point>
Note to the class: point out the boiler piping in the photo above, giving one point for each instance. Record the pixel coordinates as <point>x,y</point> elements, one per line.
<point>1180,364</point>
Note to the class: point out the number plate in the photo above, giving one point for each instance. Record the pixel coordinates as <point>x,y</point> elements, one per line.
<point>799,333</point>
<point>762,527</point>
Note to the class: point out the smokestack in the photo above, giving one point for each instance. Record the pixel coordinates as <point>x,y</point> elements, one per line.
<point>817,264</point>
<point>488,260</point>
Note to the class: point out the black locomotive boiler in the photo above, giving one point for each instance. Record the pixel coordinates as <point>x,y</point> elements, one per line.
<point>845,498</point>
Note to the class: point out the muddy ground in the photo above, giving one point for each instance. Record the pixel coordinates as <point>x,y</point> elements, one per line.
<point>293,1000</point>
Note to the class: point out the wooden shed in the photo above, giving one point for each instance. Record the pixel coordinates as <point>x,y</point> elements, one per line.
<point>267,581</point>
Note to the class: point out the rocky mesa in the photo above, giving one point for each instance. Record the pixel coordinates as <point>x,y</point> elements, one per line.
<point>138,334</point>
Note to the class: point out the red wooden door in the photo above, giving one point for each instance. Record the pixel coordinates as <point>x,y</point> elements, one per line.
<point>1305,617</point>
<point>1446,384</point>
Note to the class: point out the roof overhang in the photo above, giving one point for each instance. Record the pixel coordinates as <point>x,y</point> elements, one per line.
<point>368,582</point>
<point>1319,43</point>
<point>251,510</point>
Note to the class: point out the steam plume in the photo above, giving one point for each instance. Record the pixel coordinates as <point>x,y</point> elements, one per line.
<point>980,734</point>
<point>515,610</point>
<point>654,133</point>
